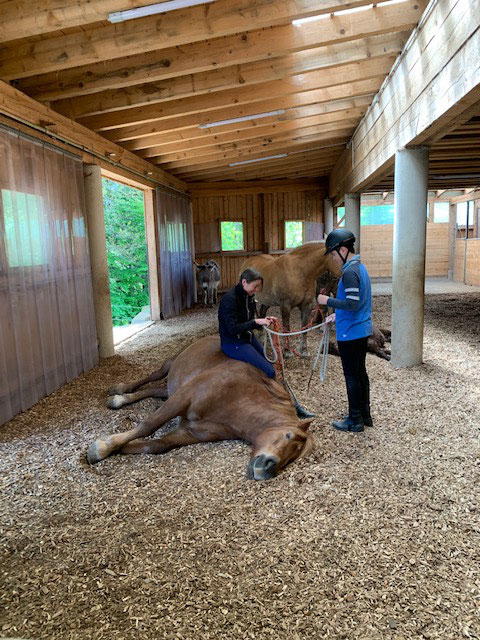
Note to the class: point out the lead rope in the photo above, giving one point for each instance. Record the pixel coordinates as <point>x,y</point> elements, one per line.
<point>274,338</point>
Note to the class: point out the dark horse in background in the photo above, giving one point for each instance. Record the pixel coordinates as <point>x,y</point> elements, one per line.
<point>217,398</point>
<point>289,281</point>
<point>208,279</point>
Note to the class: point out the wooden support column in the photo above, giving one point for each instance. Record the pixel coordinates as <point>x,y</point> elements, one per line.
<point>98,259</point>
<point>328,215</point>
<point>352,216</point>
<point>409,242</point>
<point>152,254</point>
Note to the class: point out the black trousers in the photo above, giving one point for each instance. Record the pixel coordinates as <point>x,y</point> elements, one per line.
<point>353,354</point>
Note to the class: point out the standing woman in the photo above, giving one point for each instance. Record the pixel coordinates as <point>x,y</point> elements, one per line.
<point>236,322</point>
<point>353,317</point>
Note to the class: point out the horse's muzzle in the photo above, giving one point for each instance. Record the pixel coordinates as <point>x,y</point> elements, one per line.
<point>262,467</point>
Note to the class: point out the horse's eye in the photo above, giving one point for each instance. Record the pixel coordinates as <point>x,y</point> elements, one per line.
<point>288,435</point>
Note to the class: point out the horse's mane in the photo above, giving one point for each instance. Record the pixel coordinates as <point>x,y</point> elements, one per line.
<point>308,247</point>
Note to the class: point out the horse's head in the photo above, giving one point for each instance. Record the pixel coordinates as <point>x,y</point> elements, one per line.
<point>276,447</point>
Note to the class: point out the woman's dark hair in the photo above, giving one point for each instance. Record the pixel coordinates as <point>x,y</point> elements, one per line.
<point>250,275</point>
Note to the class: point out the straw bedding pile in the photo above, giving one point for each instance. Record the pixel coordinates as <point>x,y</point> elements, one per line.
<point>373,536</point>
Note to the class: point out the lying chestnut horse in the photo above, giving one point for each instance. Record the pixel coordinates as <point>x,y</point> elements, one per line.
<point>217,398</point>
<point>289,281</point>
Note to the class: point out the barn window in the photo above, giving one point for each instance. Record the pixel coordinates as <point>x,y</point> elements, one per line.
<point>441,212</point>
<point>294,233</point>
<point>231,234</point>
<point>25,229</point>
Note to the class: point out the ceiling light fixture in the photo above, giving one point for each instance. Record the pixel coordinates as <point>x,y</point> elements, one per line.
<point>152,9</point>
<point>236,164</point>
<point>267,114</point>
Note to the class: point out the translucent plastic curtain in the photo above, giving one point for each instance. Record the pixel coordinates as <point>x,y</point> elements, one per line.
<point>175,226</point>
<point>47,322</point>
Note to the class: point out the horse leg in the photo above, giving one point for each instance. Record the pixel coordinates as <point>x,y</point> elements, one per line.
<point>187,432</point>
<point>129,387</point>
<point>305,316</point>
<point>263,311</point>
<point>105,445</point>
<point>120,400</point>
<point>285,311</point>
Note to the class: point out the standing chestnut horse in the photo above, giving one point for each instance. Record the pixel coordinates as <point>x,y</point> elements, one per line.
<point>217,398</point>
<point>289,281</point>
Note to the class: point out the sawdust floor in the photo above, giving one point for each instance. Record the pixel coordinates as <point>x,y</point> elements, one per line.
<point>373,536</point>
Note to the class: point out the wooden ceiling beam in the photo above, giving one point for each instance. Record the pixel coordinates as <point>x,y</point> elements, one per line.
<point>264,133</point>
<point>222,18</point>
<point>233,77</point>
<point>19,107</point>
<point>326,79</point>
<point>22,18</point>
<point>331,111</point>
<point>209,109</point>
<point>263,170</point>
<point>286,146</point>
<point>265,142</point>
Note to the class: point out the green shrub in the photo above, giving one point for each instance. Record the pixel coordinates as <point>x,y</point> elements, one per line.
<point>126,250</point>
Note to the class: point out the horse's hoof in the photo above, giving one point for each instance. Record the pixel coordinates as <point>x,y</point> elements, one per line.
<point>304,354</point>
<point>116,389</point>
<point>97,451</point>
<point>115,401</point>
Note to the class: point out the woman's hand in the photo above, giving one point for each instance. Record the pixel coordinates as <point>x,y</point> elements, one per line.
<point>322,299</point>
<point>330,318</point>
<point>265,322</point>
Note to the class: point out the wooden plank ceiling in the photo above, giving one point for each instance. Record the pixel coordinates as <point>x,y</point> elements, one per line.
<point>155,85</point>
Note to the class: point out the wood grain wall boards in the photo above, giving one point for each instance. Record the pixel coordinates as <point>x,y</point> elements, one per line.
<point>234,58</point>
<point>192,26</point>
<point>472,271</point>
<point>236,89</point>
<point>438,78</point>
<point>263,213</point>
<point>329,110</point>
<point>328,122</point>
<point>17,105</point>
<point>282,91</point>
<point>376,249</point>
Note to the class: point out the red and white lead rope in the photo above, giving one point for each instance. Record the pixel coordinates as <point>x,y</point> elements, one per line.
<point>273,337</point>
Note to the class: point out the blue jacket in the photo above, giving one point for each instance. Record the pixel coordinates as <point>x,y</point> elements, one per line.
<point>353,304</point>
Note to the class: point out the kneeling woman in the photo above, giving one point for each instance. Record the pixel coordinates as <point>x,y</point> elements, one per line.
<point>236,322</point>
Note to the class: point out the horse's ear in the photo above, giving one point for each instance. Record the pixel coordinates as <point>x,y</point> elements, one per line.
<point>304,424</point>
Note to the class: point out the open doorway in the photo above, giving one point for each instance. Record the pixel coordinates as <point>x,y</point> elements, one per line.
<point>127,258</point>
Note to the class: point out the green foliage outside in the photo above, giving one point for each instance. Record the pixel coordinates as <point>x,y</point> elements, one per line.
<point>293,233</point>
<point>232,236</point>
<point>126,250</point>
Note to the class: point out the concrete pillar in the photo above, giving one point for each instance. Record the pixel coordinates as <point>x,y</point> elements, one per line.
<point>98,259</point>
<point>409,241</point>
<point>452,223</point>
<point>352,216</point>
<point>328,215</point>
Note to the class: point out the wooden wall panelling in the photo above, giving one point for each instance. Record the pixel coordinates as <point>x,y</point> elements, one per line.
<point>472,271</point>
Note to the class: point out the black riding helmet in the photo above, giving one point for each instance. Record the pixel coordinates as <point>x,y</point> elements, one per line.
<point>339,238</point>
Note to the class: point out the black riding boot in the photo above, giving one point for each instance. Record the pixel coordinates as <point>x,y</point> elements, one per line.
<point>302,413</point>
<point>353,423</point>
<point>367,418</point>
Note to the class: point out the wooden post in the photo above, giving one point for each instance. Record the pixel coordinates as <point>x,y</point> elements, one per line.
<point>98,259</point>
<point>151,232</point>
